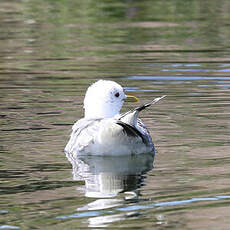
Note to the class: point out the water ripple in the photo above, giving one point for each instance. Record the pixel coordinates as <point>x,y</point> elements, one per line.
<point>142,207</point>
<point>9,227</point>
<point>177,78</point>
<point>196,70</point>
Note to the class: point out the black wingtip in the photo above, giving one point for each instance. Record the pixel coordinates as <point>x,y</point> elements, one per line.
<point>150,103</point>
<point>143,106</point>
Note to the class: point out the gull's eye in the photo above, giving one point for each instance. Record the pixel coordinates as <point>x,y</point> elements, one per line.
<point>117,94</point>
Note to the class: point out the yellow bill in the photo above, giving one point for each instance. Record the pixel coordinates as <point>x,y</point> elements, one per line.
<point>130,98</point>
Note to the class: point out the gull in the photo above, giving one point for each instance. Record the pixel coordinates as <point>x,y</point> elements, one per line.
<point>103,130</point>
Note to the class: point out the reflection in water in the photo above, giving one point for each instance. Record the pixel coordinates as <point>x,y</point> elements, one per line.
<point>104,178</point>
<point>108,176</point>
<point>104,221</point>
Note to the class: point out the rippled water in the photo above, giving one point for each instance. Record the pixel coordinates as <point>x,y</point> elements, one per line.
<point>52,50</point>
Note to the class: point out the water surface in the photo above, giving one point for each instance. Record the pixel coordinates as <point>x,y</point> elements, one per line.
<point>51,51</point>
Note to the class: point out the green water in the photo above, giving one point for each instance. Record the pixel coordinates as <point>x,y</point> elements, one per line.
<point>51,51</point>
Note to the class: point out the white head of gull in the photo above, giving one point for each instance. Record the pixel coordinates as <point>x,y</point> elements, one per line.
<point>103,130</point>
<point>103,99</point>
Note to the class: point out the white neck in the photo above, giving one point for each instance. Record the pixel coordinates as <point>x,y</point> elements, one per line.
<point>101,111</point>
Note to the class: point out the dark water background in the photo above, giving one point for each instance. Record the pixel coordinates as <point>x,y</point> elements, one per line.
<point>50,51</point>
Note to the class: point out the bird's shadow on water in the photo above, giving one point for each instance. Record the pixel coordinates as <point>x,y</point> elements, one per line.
<point>107,176</point>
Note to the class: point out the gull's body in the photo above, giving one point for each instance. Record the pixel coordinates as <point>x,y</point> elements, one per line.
<point>103,131</point>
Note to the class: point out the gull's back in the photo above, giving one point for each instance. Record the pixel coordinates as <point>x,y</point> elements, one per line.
<point>109,136</point>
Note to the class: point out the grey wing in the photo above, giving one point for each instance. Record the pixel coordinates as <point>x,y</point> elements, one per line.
<point>82,135</point>
<point>81,125</point>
